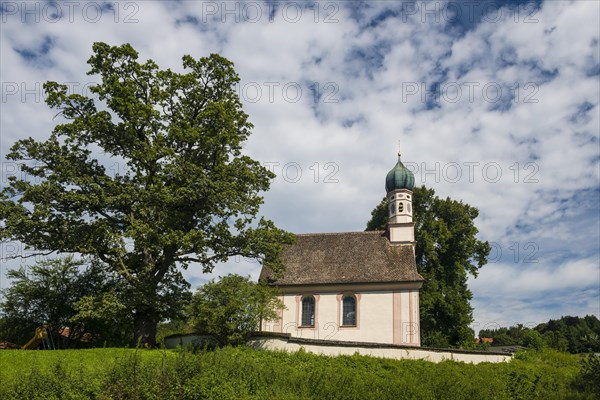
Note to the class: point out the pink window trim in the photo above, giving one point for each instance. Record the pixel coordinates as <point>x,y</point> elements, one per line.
<point>299,310</point>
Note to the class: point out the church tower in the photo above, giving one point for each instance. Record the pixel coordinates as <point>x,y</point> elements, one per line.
<point>399,184</point>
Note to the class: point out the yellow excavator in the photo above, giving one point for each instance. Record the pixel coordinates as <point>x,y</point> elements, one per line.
<point>41,336</point>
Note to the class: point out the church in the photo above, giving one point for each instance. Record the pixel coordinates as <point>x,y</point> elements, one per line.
<point>354,286</point>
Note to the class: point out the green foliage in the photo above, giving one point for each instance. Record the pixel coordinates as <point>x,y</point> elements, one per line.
<point>447,251</point>
<point>532,339</point>
<point>183,191</point>
<point>556,340</point>
<point>435,339</point>
<point>250,374</point>
<point>589,375</point>
<point>231,308</point>
<point>379,216</point>
<point>572,334</point>
<point>51,293</point>
<point>580,335</point>
<point>105,316</point>
<point>505,336</point>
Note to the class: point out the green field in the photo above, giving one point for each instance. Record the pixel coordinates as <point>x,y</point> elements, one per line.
<point>242,373</point>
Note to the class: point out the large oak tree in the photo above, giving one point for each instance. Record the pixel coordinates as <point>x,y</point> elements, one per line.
<point>447,251</point>
<point>184,193</point>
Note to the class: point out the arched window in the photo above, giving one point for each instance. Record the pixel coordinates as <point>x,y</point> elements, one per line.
<point>308,311</point>
<point>349,311</point>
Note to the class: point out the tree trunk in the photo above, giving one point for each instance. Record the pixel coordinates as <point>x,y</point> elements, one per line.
<point>145,324</point>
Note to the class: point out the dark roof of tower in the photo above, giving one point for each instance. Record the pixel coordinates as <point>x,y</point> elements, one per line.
<point>399,177</point>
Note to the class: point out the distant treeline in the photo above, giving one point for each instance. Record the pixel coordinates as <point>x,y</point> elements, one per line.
<point>572,334</point>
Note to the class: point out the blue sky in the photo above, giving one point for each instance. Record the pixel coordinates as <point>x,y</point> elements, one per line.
<point>495,103</point>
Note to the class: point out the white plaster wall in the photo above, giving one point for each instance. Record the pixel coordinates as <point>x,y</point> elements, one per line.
<point>400,196</point>
<point>375,318</point>
<point>402,234</point>
<point>394,353</point>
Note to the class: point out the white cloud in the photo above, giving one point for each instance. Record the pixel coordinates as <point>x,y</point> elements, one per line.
<point>526,279</point>
<point>533,293</point>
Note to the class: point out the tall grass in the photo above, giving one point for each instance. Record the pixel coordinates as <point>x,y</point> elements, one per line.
<point>242,373</point>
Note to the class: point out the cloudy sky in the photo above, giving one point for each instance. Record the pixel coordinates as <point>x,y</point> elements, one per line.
<point>495,103</point>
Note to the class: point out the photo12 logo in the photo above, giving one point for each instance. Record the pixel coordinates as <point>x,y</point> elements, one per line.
<point>455,92</point>
<point>33,92</point>
<point>289,92</point>
<point>426,11</point>
<point>292,172</point>
<point>12,250</point>
<point>515,252</point>
<point>70,11</point>
<point>250,92</point>
<point>489,172</point>
<point>258,11</point>
<point>492,326</point>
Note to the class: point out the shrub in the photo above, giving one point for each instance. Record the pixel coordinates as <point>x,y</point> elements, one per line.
<point>588,379</point>
<point>231,309</point>
<point>244,373</point>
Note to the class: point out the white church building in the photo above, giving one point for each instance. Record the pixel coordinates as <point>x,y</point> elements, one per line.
<point>354,286</point>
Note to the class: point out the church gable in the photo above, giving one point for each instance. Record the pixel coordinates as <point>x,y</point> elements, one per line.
<point>349,257</point>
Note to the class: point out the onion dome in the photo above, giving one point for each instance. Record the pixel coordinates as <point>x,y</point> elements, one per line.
<point>399,177</point>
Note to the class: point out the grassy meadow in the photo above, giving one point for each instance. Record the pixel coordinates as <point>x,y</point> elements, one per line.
<point>243,373</point>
